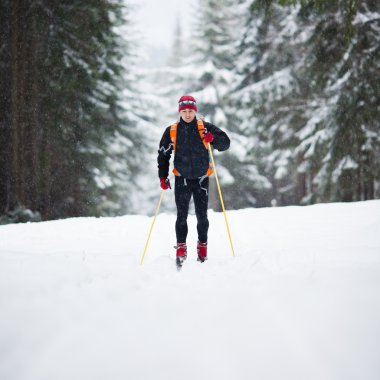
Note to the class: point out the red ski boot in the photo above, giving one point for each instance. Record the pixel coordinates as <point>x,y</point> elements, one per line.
<point>181,253</point>
<point>202,251</point>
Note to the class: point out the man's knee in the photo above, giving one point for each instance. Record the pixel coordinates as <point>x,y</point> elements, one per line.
<point>202,218</point>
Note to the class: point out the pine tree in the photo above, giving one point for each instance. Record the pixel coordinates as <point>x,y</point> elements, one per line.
<point>210,76</point>
<point>177,56</point>
<point>126,150</point>
<point>212,57</point>
<point>306,99</point>
<point>65,104</point>
<point>85,70</point>
<point>340,143</point>
<point>266,89</point>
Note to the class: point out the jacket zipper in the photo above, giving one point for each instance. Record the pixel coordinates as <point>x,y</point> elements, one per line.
<point>189,135</point>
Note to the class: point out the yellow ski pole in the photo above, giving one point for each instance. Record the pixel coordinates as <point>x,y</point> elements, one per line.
<point>221,198</point>
<point>151,227</point>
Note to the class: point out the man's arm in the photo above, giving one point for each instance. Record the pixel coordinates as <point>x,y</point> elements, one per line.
<point>164,154</point>
<point>221,141</point>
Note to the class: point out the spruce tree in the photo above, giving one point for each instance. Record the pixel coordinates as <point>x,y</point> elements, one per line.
<point>210,64</point>
<point>265,91</point>
<point>212,58</point>
<point>340,144</point>
<point>65,105</point>
<point>126,150</point>
<point>305,89</point>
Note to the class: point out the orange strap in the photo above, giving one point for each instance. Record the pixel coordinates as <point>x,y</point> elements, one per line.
<point>201,130</point>
<point>173,135</point>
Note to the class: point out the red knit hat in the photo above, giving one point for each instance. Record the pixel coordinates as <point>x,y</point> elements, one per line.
<point>187,101</point>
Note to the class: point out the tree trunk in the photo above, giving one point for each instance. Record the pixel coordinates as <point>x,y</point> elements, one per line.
<point>5,107</point>
<point>368,176</point>
<point>15,119</point>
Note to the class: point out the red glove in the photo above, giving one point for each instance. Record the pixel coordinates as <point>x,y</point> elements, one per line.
<point>165,183</point>
<point>208,137</point>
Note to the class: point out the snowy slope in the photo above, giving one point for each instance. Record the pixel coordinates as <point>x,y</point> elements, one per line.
<point>299,301</point>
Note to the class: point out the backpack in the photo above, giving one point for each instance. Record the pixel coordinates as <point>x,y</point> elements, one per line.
<point>173,137</point>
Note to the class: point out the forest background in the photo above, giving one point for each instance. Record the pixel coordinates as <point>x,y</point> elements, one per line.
<point>295,84</point>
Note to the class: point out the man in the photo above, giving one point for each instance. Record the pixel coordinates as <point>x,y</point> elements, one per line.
<point>189,139</point>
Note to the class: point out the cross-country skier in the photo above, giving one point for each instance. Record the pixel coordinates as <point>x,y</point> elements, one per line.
<point>189,139</point>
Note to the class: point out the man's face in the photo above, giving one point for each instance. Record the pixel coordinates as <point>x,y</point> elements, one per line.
<point>188,115</point>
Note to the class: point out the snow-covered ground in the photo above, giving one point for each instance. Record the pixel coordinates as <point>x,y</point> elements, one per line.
<point>299,301</point>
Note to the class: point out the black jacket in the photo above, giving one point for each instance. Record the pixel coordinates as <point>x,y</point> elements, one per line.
<point>191,157</point>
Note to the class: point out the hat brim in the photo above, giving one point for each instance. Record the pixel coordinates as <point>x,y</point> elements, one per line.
<point>187,106</point>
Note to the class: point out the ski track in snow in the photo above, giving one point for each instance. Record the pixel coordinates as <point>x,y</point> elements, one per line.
<point>299,301</point>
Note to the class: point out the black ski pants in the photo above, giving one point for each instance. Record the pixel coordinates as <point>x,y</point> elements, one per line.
<point>184,189</point>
